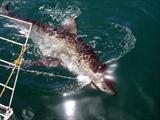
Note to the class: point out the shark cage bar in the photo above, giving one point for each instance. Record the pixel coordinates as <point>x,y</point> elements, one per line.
<point>6,112</point>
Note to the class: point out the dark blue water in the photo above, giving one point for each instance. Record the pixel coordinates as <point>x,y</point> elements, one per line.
<point>125,30</point>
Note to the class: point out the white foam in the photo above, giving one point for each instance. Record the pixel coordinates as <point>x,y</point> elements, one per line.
<point>83,79</point>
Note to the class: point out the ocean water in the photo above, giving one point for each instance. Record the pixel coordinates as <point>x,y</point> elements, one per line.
<point>125,32</point>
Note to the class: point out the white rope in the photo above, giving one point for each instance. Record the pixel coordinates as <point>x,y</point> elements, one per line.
<point>40,73</point>
<point>9,63</point>
<point>5,39</point>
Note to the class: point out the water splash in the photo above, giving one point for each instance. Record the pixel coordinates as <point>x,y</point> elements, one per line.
<point>118,40</point>
<point>57,14</point>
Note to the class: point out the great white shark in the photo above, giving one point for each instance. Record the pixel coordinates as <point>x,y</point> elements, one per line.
<point>63,47</point>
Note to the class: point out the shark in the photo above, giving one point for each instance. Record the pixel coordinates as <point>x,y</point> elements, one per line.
<point>63,47</point>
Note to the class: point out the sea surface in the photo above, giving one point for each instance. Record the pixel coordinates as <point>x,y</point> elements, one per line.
<point>124,33</point>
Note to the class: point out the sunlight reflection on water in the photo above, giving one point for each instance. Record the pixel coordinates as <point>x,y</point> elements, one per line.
<point>69,108</point>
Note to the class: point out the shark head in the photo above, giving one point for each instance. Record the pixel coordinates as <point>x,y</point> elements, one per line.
<point>104,79</point>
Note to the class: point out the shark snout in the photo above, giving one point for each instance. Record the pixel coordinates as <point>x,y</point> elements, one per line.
<point>105,85</point>
<point>108,86</point>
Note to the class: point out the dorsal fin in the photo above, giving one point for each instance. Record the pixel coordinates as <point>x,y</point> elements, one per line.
<point>69,25</point>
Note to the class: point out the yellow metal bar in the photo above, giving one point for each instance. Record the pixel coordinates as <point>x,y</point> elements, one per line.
<point>4,88</point>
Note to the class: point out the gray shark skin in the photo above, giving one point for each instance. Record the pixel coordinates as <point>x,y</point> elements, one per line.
<point>62,47</point>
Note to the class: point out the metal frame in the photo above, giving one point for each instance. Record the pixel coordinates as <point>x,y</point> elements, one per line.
<point>8,111</point>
